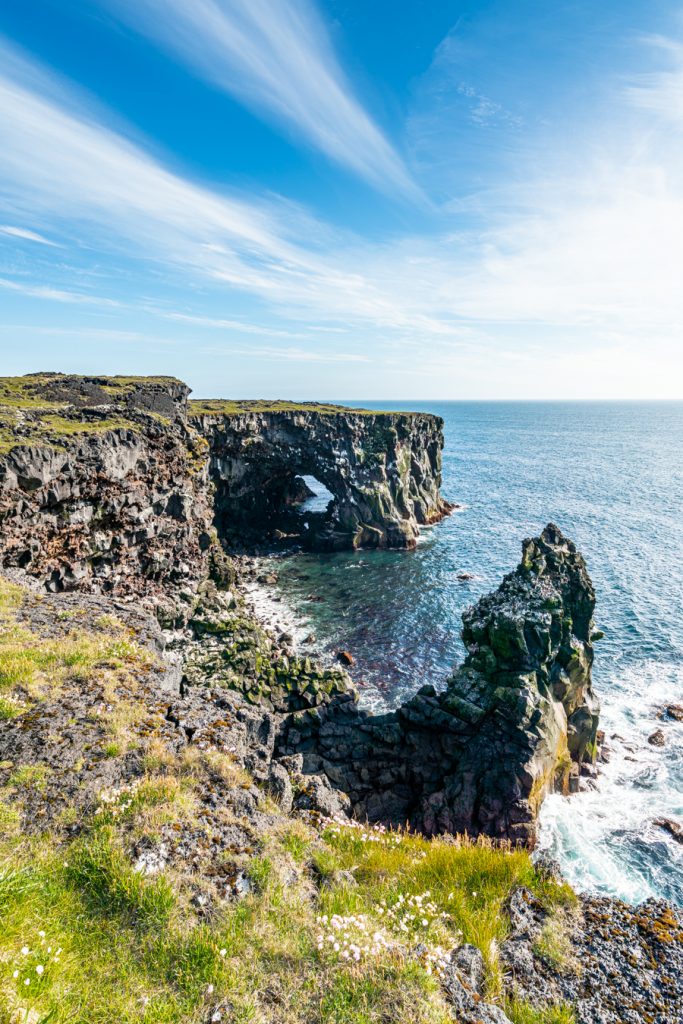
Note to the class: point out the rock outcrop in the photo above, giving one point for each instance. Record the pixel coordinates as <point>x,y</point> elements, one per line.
<point>103,486</point>
<point>106,483</point>
<point>611,962</point>
<point>383,469</point>
<point>517,719</point>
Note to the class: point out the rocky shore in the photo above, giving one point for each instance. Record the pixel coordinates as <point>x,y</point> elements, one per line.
<point>140,695</point>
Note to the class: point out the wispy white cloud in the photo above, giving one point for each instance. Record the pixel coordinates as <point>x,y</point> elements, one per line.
<point>660,92</point>
<point>290,354</point>
<point>125,200</point>
<point>100,334</point>
<point>584,258</point>
<point>35,291</point>
<point>276,57</point>
<point>223,324</point>
<point>25,235</point>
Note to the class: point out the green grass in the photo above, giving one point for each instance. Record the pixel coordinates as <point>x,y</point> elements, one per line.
<point>228,407</point>
<point>467,884</point>
<point>33,665</point>
<point>132,951</point>
<point>553,945</point>
<point>522,1012</point>
<point>107,883</point>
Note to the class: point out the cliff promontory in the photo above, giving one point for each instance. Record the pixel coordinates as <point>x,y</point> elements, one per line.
<point>516,720</point>
<point>383,469</point>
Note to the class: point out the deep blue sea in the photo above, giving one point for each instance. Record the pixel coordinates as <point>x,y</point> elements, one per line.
<point>611,476</point>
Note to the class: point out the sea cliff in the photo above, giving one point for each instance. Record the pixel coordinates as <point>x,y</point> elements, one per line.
<point>189,785</point>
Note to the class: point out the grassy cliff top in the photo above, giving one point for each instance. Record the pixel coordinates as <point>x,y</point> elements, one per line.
<point>50,408</point>
<point>49,390</point>
<point>230,407</point>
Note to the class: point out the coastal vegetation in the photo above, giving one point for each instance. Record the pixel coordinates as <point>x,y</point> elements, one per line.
<point>228,407</point>
<point>338,922</point>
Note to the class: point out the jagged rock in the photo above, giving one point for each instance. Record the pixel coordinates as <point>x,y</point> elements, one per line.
<point>463,982</point>
<point>316,794</point>
<point>280,786</point>
<point>622,965</point>
<point>516,720</point>
<point>657,739</point>
<point>674,828</point>
<point>104,487</point>
<point>107,484</point>
<point>525,913</point>
<point>468,961</point>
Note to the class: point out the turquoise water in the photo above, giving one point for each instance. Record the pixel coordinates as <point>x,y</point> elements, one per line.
<point>611,476</point>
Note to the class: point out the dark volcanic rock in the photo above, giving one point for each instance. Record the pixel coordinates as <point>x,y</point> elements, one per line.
<point>104,487</point>
<point>108,485</point>
<point>674,828</point>
<point>516,720</point>
<point>622,964</point>
<point>383,469</point>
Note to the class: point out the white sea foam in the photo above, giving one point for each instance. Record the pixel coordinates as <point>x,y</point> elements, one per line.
<point>606,839</point>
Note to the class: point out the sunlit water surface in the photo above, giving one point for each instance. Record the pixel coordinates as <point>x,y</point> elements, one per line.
<point>611,476</point>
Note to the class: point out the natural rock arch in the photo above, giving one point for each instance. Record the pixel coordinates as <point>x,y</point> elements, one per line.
<point>383,469</point>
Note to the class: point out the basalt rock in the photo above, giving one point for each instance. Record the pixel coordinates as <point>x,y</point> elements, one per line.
<point>516,720</point>
<point>107,484</point>
<point>619,964</point>
<point>103,486</point>
<point>383,470</point>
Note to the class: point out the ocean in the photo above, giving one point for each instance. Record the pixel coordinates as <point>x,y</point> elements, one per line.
<point>610,475</point>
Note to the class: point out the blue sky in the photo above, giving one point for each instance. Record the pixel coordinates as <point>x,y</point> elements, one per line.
<point>345,199</point>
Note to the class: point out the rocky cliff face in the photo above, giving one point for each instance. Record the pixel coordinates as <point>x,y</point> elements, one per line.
<point>383,469</point>
<point>518,718</point>
<point>106,484</point>
<point>103,486</point>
